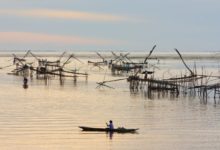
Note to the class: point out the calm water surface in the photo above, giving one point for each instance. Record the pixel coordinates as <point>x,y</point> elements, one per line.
<point>48,116</point>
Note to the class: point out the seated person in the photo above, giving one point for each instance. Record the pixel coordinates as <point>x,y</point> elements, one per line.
<point>110,125</point>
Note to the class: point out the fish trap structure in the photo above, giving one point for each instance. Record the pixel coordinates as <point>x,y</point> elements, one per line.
<point>45,69</point>
<point>153,86</point>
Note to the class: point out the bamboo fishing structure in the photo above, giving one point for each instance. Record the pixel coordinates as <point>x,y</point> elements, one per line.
<point>45,69</point>
<point>140,76</point>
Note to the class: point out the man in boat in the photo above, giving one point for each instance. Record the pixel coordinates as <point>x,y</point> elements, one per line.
<point>110,125</point>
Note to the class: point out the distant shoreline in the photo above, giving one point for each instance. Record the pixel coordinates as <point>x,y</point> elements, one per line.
<point>133,55</point>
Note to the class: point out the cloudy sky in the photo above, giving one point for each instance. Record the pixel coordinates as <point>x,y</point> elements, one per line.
<point>102,25</point>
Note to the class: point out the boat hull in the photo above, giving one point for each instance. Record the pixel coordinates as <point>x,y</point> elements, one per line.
<point>118,130</point>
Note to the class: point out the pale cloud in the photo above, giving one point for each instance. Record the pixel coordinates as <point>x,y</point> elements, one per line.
<point>41,38</point>
<point>64,14</point>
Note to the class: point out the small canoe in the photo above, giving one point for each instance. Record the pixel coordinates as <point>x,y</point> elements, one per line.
<point>118,130</point>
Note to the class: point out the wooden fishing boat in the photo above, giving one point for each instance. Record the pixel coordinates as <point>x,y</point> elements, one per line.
<point>118,130</point>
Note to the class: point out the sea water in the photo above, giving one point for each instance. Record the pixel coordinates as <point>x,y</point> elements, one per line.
<point>46,115</point>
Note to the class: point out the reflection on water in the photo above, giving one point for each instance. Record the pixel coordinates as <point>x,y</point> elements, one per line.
<point>47,116</point>
<point>110,134</point>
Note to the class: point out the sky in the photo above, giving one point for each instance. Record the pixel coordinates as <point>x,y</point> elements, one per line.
<point>110,25</point>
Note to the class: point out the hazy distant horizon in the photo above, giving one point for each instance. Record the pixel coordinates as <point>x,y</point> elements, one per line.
<point>98,50</point>
<point>108,54</point>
